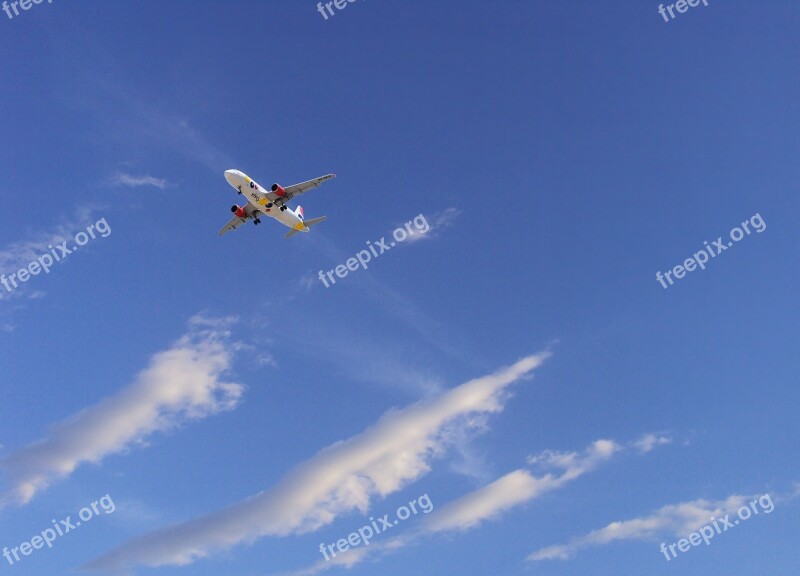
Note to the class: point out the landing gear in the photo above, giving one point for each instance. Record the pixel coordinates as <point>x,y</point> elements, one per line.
<point>239,189</point>
<point>257,221</point>
<point>283,208</point>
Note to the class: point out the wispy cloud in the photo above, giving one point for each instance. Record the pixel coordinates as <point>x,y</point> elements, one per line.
<point>651,441</point>
<point>367,361</point>
<point>489,502</point>
<point>673,520</point>
<point>388,299</point>
<point>181,383</point>
<point>344,477</point>
<point>131,181</point>
<point>126,112</point>
<point>20,254</point>
<point>519,487</point>
<point>438,222</point>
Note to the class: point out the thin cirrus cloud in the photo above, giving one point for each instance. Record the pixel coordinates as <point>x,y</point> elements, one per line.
<point>650,441</point>
<point>489,502</point>
<point>131,181</point>
<point>519,487</point>
<point>673,520</point>
<point>437,222</point>
<point>21,253</point>
<point>343,477</point>
<point>184,382</point>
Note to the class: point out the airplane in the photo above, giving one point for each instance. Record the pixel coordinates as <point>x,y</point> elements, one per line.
<point>270,202</point>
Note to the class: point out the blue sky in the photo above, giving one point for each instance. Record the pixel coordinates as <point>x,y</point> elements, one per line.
<point>519,363</point>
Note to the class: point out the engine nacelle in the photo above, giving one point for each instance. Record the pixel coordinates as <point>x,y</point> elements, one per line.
<point>239,211</point>
<point>278,189</point>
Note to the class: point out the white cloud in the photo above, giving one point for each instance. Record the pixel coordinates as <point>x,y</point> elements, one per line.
<point>489,502</point>
<point>650,441</point>
<point>503,494</point>
<point>181,383</point>
<point>343,477</point>
<point>674,521</point>
<point>131,181</point>
<point>518,487</point>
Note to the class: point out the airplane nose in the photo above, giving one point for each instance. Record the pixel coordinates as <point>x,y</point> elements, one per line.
<point>233,177</point>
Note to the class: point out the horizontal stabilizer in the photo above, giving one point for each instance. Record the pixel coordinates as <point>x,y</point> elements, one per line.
<point>308,224</point>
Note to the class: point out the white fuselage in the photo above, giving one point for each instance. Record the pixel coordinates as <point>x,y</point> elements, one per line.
<point>256,195</point>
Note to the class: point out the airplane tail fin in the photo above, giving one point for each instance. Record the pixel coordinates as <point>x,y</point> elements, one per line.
<point>308,224</point>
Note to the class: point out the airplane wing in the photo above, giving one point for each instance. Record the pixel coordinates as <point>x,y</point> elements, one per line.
<point>297,189</point>
<point>236,221</point>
